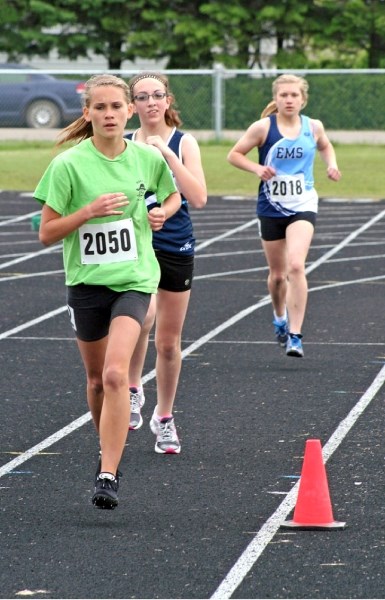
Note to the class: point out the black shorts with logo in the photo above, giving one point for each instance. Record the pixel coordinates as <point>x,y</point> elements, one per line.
<point>176,271</point>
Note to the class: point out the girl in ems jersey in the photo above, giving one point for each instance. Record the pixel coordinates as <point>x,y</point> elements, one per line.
<point>94,199</point>
<point>287,201</point>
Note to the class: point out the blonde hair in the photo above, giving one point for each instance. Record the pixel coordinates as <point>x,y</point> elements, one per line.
<point>171,116</point>
<point>271,108</point>
<point>81,129</point>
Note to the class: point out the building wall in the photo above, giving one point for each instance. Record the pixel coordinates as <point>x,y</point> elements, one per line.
<point>97,62</point>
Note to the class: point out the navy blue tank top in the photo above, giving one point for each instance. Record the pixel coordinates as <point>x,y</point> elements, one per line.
<point>176,235</point>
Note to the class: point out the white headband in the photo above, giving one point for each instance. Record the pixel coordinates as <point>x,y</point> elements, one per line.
<point>147,76</point>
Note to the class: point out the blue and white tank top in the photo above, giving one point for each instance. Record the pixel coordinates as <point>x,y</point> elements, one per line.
<point>292,189</point>
<point>176,235</point>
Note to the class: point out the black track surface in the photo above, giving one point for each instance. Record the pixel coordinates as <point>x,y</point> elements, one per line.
<point>244,412</point>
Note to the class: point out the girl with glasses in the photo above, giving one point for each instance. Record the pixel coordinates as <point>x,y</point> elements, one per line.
<point>174,249</point>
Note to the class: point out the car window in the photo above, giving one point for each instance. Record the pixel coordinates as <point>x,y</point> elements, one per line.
<point>40,76</point>
<point>13,78</point>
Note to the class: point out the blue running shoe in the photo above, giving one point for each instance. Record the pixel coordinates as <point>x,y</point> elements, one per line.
<point>294,345</point>
<point>281,331</point>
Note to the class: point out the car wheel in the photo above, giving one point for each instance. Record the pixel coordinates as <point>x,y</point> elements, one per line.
<point>42,114</point>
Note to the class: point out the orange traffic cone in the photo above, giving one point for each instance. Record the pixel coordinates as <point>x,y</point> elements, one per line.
<point>313,509</point>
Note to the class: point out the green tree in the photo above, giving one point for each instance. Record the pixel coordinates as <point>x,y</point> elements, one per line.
<point>179,32</point>
<point>21,23</point>
<point>103,28</point>
<point>352,35</point>
<point>74,28</point>
<point>199,33</point>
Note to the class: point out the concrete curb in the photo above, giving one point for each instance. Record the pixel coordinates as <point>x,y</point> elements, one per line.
<point>341,137</point>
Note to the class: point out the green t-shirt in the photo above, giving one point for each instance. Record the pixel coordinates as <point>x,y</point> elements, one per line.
<point>114,251</point>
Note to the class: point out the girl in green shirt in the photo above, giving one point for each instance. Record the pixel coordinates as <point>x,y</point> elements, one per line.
<point>95,196</point>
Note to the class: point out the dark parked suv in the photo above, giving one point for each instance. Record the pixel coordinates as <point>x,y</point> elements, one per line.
<point>29,98</point>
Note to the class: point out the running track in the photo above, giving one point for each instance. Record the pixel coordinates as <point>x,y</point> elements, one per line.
<point>205,524</point>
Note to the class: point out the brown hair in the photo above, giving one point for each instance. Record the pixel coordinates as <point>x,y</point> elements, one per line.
<point>171,116</point>
<point>81,129</point>
<point>271,108</point>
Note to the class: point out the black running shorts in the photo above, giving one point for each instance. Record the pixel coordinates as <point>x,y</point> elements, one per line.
<point>92,308</point>
<point>176,271</point>
<point>274,228</point>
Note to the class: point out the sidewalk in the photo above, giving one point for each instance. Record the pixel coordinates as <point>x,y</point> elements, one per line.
<point>342,137</point>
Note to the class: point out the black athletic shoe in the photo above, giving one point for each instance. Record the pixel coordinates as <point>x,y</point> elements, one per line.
<point>99,467</point>
<point>106,491</point>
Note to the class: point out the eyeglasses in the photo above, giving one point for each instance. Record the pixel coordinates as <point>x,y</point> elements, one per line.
<point>143,97</point>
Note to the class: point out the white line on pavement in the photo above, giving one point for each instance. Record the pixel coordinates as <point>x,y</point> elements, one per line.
<point>250,555</point>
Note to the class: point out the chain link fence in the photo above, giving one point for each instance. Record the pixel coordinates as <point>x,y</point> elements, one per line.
<point>216,101</point>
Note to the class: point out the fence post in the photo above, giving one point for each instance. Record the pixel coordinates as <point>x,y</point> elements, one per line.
<point>218,102</point>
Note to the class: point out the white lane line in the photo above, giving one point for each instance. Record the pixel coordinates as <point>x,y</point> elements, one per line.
<point>259,269</point>
<point>345,241</point>
<point>225,235</point>
<point>268,530</point>
<point>31,275</point>
<point>263,302</point>
<point>17,219</point>
<point>227,273</point>
<point>224,273</point>
<point>254,550</point>
<point>29,256</point>
<point>52,439</point>
<point>189,350</point>
<point>27,324</point>
<point>7,468</point>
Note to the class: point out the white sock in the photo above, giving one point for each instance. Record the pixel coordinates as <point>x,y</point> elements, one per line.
<point>107,475</point>
<point>280,319</point>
